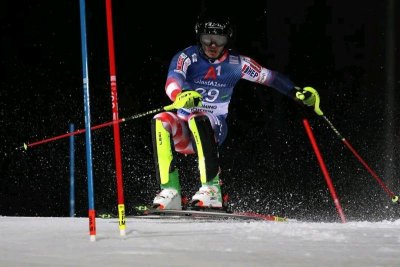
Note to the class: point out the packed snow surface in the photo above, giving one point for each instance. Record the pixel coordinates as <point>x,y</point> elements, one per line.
<point>39,241</point>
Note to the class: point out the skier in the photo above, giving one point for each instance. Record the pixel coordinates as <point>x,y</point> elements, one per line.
<point>200,83</point>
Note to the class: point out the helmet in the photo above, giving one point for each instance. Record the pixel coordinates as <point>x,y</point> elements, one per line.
<point>218,25</point>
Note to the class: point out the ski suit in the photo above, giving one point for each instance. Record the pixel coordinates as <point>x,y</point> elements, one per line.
<point>215,80</point>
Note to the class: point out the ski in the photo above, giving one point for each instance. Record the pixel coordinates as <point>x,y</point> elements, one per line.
<point>207,214</point>
<point>220,214</point>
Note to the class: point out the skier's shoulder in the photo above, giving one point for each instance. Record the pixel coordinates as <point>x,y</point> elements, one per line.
<point>233,57</point>
<point>233,52</point>
<point>245,58</point>
<point>248,62</point>
<point>187,55</point>
<point>188,50</point>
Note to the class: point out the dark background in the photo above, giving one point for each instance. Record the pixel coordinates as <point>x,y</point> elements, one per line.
<point>338,47</point>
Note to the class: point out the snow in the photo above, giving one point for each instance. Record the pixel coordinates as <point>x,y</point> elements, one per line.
<point>51,241</point>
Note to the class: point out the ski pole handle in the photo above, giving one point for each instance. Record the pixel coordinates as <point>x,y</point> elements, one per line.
<point>314,92</point>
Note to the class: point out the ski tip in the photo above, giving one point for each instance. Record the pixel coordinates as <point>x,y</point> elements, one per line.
<point>23,147</point>
<point>280,219</point>
<point>106,215</point>
<point>142,209</point>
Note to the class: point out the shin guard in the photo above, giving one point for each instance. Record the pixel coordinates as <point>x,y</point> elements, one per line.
<point>206,147</point>
<point>163,157</point>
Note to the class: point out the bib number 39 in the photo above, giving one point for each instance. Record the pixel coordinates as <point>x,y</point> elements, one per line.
<point>209,95</point>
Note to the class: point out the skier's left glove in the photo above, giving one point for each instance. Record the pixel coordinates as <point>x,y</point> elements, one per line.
<point>186,99</point>
<point>309,97</point>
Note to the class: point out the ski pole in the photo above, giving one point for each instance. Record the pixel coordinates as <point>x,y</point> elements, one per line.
<point>318,111</point>
<point>394,197</point>
<point>175,105</point>
<point>80,131</point>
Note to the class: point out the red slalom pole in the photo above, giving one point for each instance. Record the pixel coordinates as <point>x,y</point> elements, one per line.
<point>324,170</point>
<point>114,104</point>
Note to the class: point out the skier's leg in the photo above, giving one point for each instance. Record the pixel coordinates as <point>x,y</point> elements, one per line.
<point>163,126</point>
<point>206,130</point>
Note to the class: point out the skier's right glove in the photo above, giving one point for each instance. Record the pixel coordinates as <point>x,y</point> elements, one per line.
<point>309,97</point>
<point>186,99</point>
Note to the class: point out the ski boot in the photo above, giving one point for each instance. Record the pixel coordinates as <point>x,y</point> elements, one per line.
<point>168,198</point>
<point>170,195</point>
<point>209,196</point>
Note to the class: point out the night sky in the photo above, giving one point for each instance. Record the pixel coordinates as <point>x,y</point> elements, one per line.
<point>268,165</point>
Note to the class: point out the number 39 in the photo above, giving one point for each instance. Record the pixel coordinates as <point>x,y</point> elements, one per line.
<point>209,95</point>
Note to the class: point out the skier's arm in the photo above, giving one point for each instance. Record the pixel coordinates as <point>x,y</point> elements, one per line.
<point>254,72</point>
<point>176,75</point>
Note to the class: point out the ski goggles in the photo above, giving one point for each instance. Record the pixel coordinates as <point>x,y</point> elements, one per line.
<point>218,40</point>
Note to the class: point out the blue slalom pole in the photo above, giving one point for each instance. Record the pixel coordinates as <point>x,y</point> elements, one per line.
<point>71,171</point>
<point>85,72</point>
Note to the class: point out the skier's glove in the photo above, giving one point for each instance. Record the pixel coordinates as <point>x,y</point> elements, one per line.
<point>309,97</point>
<point>186,99</point>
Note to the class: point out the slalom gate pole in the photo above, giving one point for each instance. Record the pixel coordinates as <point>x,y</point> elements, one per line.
<point>25,146</point>
<point>324,170</point>
<point>114,105</point>
<point>395,198</point>
<point>86,100</point>
<point>71,172</point>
